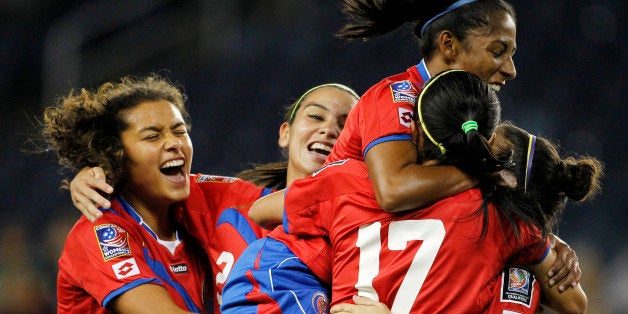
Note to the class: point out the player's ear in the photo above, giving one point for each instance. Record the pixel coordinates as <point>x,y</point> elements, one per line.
<point>284,135</point>
<point>448,45</point>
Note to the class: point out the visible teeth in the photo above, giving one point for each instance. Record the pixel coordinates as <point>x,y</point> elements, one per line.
<point>495,87</point>
<point>172,163</point>
<point>322,147</point>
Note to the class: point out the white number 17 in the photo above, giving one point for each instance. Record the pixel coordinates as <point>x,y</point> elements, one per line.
<point>431,231</point>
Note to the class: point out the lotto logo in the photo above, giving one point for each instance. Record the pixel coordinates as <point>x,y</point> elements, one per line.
<point>126,268</point>
<point>405,117</point>
<point>179,268</point>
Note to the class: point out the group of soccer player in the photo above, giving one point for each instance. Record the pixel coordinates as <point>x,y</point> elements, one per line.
<point>425,202</point>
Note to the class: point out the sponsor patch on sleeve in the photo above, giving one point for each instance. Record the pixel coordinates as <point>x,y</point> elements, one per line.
<point>214,178</point>
<point>126,268</point>
<point>113,241</point>
<point>405,116</point>
<point>404,91</point>
<point>517,286</point>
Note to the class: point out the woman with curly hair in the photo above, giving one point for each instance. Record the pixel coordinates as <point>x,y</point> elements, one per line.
<point>138,256</point>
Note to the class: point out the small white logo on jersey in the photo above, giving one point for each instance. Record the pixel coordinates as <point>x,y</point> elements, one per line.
<point>405,117</point>
<point>179,268</point>
<point>126,268</point>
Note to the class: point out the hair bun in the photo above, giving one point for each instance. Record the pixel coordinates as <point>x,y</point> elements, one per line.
<point>579,179</point>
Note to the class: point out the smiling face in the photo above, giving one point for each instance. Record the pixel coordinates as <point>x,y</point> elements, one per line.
<point>490,55</point>
<point>159,154</point>
<point>315,129</point>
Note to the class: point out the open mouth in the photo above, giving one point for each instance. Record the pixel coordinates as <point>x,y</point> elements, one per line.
<point>172,168</point>
<point>320,148</point>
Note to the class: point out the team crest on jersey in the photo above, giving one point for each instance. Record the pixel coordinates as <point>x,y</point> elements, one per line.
<point>213,178</point>
<point>405,116</point>
<point>126,268</point>
<point>320,303</point>
<point>113,241</point>
<point>517,286</point>
<point>404,91</point>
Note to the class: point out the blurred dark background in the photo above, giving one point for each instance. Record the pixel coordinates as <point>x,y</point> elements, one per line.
<point>242,61</point>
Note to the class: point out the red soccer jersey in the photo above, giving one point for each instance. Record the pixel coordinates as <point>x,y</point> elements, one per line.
<point>383,113</point>
<point>314,252</point>
<point>515,291</point>
<point>216,213</point>
<point>102,260</point>
<point>429,260</point>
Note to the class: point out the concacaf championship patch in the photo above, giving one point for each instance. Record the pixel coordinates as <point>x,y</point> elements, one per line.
<point>517,286</point>
<point>113,241</point>
<point>404,91</point>
<point>320,303</point>
<point>213,178</point>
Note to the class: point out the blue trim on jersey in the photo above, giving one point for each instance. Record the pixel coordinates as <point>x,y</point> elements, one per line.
<point>127,207</point>
<point>235,218</point>
<point>160,270</point>
<point>285,222</point>
<point>549,247</point>
<point>284,217</point>
<point>115,293</point>
<point>425,74</point>
<point>109,210</point>
<point>266,191</point>
<point>394,137</point>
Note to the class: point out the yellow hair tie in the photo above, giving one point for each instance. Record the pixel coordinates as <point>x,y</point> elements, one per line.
<point>420,102</point>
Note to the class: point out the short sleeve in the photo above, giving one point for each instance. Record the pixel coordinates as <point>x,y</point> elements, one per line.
<point>105,259</point>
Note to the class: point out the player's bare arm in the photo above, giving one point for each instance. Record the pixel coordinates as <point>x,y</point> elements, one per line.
<point>146,298</point>
<point>363,305</point>
<point>402,184</point>
<point>268,210</point>
<point>565,272</point>
<point>572,300</point>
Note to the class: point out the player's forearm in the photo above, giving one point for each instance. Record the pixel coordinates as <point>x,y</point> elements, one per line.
<point>572,300</point>
<point>417,186</point>
<point>268,210</point>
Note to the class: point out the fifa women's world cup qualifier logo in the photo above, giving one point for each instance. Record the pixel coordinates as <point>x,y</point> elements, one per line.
<point>113,241</point>
<point>517,285</point>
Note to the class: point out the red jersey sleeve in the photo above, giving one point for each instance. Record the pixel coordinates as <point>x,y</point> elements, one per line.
<point>310,202</point>
<point>106,259</point>
<point>383,113</point>
<point>533,248</point>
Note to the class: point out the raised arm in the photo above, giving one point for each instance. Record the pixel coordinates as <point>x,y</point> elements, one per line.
<point>401,184</point>
<point>572,300</point>
<point>268,210</point>
<point>84,192</point>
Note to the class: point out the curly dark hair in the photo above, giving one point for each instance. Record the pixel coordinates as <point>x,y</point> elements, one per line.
<point>84,127</point>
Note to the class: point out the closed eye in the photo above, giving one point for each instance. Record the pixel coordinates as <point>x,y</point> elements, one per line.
<point>316,117</point>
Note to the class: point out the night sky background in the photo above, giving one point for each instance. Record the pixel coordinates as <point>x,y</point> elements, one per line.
<point>241,62</point>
